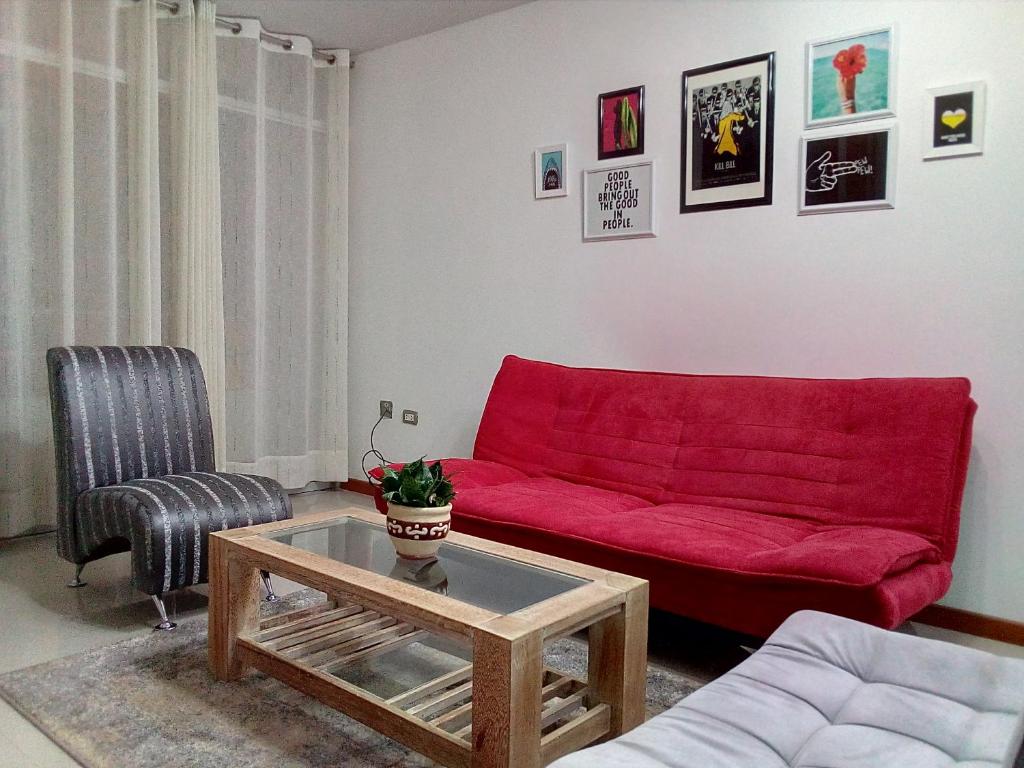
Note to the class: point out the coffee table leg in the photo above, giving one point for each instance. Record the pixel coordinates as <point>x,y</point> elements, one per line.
<point>234,608</point>
<point>617,662</point>
<point>507,681</point>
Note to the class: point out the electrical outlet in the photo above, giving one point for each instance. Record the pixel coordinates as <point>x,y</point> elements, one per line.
<point>410,417</point>
<point>386,409</point>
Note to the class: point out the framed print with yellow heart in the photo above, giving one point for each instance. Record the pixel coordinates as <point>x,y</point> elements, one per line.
<point>954,121</point>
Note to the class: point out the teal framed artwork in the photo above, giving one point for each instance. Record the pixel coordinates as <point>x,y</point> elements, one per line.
<point>851,78</point>
<point>550,179</point>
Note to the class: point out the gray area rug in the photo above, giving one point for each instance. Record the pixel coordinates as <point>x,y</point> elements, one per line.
<point>150,702</point>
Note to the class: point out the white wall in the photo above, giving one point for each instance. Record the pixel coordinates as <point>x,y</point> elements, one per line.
<point>454,264</point>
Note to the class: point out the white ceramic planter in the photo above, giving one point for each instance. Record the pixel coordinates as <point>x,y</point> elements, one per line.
<point>417,532</point>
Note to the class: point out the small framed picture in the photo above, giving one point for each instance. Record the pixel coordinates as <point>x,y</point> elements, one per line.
<point>845,170</point>
<point>620,123</point>
<point>618,202</point>
<point>954,121</point>
<point>728,135</point>
<point>851,78</point>
<point>550,179</point>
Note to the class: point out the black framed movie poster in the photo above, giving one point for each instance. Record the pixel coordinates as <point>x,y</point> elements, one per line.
<point>847,170</point>
<point>728,133</point>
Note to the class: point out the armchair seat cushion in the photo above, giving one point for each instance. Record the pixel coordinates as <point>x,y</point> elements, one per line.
<point>165,521</point>
<point>828,692</point>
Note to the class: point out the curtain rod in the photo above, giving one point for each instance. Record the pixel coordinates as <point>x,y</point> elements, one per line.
<point>173,7</point>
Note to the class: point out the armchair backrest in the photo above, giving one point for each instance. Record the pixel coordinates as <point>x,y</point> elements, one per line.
<point>124,413</point>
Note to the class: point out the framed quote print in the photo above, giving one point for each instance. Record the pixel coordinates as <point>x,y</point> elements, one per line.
<point>847,170</point>
<point>954,121</point>
<point>851,77</point>
<point>728,133</point>
<point>618,202</point>
<point>620,123</point>
<point>549,172</point>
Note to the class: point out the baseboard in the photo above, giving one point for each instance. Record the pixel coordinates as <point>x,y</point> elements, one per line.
<point>971,623</point>
<point>957,619</point>
<point>358,486</point>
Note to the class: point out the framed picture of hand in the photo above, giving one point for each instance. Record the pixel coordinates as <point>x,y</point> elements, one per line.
<point>844,170</point>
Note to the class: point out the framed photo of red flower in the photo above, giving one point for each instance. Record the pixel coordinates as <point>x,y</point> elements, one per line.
<point>620,123</point>
<point>851,78</point>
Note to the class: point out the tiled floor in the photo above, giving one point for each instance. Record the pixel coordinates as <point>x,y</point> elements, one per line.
<point>41,619</point>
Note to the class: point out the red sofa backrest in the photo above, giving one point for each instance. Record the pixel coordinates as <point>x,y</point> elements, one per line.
<point>890,453</point>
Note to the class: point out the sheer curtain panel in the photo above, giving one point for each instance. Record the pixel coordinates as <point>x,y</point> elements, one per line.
<point>190,155</point>
<point>166,181</point>
<point>79,247</point>
<point>92,94</point>
<point>284,190</point>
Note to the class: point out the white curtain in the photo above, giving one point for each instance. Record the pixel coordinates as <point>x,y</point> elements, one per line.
<point>84,207</point>
<point>78,248</point>
<point>284,192</point>
<point>114,206</point>
<point>191,157</point>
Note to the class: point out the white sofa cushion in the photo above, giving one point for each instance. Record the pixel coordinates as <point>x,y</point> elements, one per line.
<point>828,692</point>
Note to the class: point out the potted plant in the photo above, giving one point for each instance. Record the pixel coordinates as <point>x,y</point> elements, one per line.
<point>419,498</point>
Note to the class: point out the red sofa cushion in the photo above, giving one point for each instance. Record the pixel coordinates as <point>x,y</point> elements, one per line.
<point>538,502</point>
<point>737,541</point>
<point>878,453</point>
<point>747,603</point>
<point>470,473</point>
<point>465,474</point>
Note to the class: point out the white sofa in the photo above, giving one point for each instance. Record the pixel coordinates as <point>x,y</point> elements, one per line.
<point>828,692</point>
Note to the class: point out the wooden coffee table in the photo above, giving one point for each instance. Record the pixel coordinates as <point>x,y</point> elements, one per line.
<point>446,656</point>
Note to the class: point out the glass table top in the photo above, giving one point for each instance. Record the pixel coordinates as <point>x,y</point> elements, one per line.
<point>470,576</point>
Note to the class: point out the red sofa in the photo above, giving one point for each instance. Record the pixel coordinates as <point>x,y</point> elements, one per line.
<point>740,498</point>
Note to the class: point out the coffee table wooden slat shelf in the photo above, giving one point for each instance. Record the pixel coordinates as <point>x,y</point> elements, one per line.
<point>505,708</point>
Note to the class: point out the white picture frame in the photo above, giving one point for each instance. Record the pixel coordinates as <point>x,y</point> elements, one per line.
<point>954,121</point>
<point>851,152</point>
<point>618,202</point>
<point>559,153</point>
<point>828,77</point>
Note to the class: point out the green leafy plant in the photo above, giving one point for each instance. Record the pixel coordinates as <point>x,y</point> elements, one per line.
<point>417,484</point>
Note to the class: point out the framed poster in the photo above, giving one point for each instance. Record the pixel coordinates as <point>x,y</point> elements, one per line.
<point>618,202</point>
<point>954,121</point>
<point>847,170</point>
<point>549,165</point>
<point>620,123</point>
<point>728,135</point>
<point>852,77</point>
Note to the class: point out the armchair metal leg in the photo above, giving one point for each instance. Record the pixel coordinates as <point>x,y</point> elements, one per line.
<point>271,596</point>
<point>165,625</point>
<point>77,582</point>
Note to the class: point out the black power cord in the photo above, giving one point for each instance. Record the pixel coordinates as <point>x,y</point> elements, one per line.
<point>373,452</point>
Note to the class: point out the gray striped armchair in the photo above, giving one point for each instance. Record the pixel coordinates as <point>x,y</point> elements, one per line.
<point>135,469</point>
